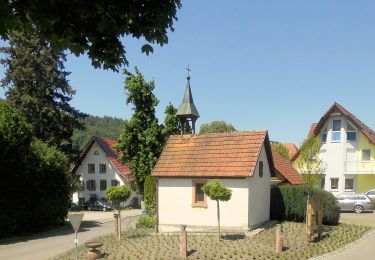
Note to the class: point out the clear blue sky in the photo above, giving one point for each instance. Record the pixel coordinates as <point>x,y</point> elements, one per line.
<point>275,65</point>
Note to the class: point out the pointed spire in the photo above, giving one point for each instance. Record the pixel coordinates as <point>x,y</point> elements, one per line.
<point>187,111</point>
<point>187,107</point>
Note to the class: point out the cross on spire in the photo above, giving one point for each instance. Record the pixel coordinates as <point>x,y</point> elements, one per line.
<point>188,70</point>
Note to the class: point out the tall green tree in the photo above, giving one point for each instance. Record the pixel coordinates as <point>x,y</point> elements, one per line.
<point>308,162</point>
<point>141,140</point>
<point>35,178</point>
<point>281,149</point>
<point>37,86</point>
<point>95,29</point>
<point>216,127</point>
<point>172,125</point>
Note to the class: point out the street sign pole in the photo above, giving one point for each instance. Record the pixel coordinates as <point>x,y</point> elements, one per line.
<point>75,219</point>
<point>76,242</point>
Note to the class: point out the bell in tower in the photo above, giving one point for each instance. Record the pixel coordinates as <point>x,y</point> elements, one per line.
<point>187,111</point>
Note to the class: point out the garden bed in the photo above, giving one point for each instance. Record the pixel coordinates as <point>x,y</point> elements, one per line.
<point>139,244</point>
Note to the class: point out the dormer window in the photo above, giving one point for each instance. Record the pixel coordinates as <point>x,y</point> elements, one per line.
<point>351,133</point>
<point>336,131</point>
<point>323,137</point>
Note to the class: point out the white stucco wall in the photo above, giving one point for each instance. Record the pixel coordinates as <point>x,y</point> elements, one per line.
<point>175,205</point>
<point>259,193</point>
<point>111,174</point>
<point>334,154</point>
<point>248,208</point>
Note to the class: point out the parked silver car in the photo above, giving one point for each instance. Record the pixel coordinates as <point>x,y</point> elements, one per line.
<point>354,202</point>
<point>371,194</point>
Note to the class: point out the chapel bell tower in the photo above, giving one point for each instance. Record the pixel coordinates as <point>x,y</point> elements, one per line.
<point>187,111</point>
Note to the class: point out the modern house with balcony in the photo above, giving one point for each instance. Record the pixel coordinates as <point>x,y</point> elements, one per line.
<point>347,151</point>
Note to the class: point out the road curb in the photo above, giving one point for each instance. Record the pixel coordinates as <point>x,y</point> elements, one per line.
<point>347,247</point>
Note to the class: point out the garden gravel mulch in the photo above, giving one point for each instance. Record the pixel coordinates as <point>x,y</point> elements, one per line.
<point>140,244</point>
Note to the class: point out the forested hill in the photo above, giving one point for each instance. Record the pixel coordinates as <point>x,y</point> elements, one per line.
<point>100,126</point>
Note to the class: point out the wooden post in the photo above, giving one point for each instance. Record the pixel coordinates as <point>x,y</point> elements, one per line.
<point>183,242</point>
<point>279,238</point>
<point>115,215</point>
<point>310,219</point>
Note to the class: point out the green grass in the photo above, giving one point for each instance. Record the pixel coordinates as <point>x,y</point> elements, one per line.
<point>138,244</point>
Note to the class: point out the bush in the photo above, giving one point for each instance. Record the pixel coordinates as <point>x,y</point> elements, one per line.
<point>150,194</point>
<point>35,178</point>
<point>118,194</point>
<point>289,203</point>
<point>145,222</point>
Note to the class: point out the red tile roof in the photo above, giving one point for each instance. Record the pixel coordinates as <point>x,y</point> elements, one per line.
<point>336,107</point>
<point>232,154</point>
<point>292,149</point>
<point>312,130</point>
<point>107,146</point>
<point>285,169</point>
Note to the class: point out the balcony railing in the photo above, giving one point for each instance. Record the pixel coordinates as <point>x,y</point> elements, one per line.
<point>360,166</point>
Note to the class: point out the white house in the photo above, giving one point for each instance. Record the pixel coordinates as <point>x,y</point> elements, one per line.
<point>98,168</point>
<point>347,152</point>
<point>241,161</point>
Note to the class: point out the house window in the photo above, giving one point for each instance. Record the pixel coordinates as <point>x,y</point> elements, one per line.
<point>260,169</point>
<point>336,131</point>
<point>96,152</point>
<point>334,183</point>
<point>351,134</point>
<point>115,183</point>
<point>349,184</point>
<point>103,184</point>
<point>81,200</point>
<point>91,168</point>
<point>90,185</point>
<point>199,198</point>
<point>102,168</point>
<point>322,183</point>
<point>324,135</point>
<point>366,155</point>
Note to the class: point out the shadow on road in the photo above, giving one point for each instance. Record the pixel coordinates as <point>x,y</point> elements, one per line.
<point>66,229</point>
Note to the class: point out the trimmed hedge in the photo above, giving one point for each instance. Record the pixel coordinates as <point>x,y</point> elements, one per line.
<point>150,194</point>
<point>145,222</point>
<point>288,202</point>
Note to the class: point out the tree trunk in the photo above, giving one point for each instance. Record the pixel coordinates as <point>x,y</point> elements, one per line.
<point>218,221</point>
<point>119,223</point>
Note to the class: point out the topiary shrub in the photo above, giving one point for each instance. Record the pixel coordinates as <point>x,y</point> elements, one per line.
<point>145,222</point>
<point>288,202</point>
<point>150,194</point>
<point>118,194</point>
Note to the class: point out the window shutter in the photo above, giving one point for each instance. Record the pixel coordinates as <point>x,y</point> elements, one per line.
<point>93,185</point>
<point>88,185</point>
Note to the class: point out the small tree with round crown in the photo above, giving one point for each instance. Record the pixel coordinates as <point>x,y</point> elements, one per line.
<point>118,194</point>
<point>215,191</point>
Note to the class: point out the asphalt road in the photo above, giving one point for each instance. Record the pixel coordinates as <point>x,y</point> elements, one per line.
<point>50,244</point>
